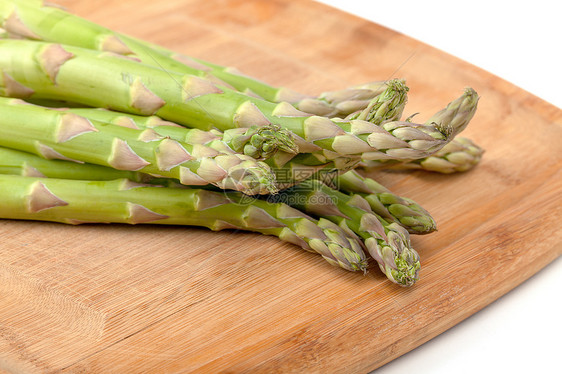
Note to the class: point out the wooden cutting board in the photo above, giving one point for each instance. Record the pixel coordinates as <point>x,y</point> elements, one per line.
<point>120,299</point>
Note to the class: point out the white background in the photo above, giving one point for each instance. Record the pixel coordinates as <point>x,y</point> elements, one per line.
<point>521,42</point>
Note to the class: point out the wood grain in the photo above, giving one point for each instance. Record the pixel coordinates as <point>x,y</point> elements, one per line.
<point>117,298</point>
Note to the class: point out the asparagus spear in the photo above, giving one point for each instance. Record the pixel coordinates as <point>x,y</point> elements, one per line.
<point>386,107</point>
<point>348,255</point>
<point>388,243</point>
<point>50,133</point>
<point>257,142</point>
<point>56,25</point>
<point>51,71</point>
<point>287,174</point>
<point>407,141</point>
<point>461,154</point>
<point>311,165</point>
<point>389,206</point>
<point>430,136</point>
<point>14,162</point>
<point>124,201</point>
<point>450,120</point>
<point>338,103</point>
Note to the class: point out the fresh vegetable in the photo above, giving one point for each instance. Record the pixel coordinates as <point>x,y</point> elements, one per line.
<point>388,243</point>
<point>258,142</point>
<point>388,205</point>
<point>449,121</point>
<point>124,201</point>
<point>14,162</point>
<point>38,21</point>
<point>157,137</point>
<point>54,134</point>
<point>461,154</point>
<point>52,71</point>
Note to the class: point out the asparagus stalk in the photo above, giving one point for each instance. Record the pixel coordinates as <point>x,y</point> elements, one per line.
<point>386,111</point>
<point>338,103</point>
<point>124,201</point>
<point>386,107</point>
<point>54,134</point>
<point>311,165</point>
<point>388,243</point>
<point>398,142</point>
<point>348,255</point>
<point>298,168</point>
<point>461,154</point>
<point>391,207</point>
<point>45,23</point>
<point>55,72</point>
<point>14,162</point>
<point>257,142</point>
<point>448,122</point>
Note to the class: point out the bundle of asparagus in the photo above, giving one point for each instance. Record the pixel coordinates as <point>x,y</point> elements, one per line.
<point>156,137</point>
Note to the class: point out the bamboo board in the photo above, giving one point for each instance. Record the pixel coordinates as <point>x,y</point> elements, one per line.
<point>117,298</point>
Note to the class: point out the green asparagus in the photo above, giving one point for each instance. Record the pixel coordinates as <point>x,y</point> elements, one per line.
<point>386,107</point>
<point>461,154</point>
<point>55,72</point>
<point>54,134</point>
<point>40,22</point>
<point>258,142</point>
<point>287,173</point>
<point>439,130</point>
<point>389,206</point>
<point>26,164</point>
<point>13,162</point>
<point>124,201</point>
<point>338,103</point>
<point>160,121</point>
<point>388,243</point>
